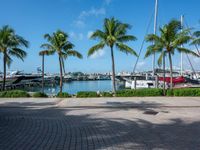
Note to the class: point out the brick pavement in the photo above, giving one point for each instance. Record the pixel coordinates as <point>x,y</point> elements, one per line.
<point>57,128</point>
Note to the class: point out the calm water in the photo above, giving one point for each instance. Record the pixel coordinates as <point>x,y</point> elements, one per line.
<point>75,86</point>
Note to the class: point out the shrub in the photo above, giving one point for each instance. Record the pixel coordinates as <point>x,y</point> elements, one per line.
<point>63,95</point>
<point>40,94</point>
<point>106,94</point>
<point>170,92</point>
<point>14,94</point>
<point>139,92</point>
<point>83,94</point>
<point>186,92</point>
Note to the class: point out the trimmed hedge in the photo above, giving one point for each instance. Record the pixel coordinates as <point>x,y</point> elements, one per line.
<point>13,94</point>
<point>106,94</point>
<point>63,95</point>
<point>184,92</point>
<point>139,92</point>
<point>40,94</point>
<point>85,94</point>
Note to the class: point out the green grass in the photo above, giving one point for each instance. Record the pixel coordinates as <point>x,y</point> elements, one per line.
<point>85,94</point>
<point>63,95</point>
<point>139,92</point>
<point>13,94</point>
<point>40,94</point>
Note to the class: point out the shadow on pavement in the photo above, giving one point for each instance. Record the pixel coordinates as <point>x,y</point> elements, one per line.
<point>56,128</point>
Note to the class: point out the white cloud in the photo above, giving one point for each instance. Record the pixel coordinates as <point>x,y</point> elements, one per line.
<point>80,21</point>
<point>141,64</point>
<point>89,34</point>
<point>108,2</point>
<point>77,36</point>
<point>92,12</point>
<point>98,54</point>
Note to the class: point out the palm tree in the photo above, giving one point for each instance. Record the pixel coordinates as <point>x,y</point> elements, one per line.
<point>170,40</point>
<point>11,45</point>
<point>114,34</point>
<point>43,53</point>
<point>58,43</point>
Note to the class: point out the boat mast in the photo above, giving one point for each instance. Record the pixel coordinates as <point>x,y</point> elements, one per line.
<point>155,28</point>
<point>182,17</point>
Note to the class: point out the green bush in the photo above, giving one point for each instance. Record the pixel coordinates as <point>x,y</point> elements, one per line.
<point>14,94</point>
<point>40,94</point>
<point>185,92</point>
<point>106,94</point>
<point>83,94</point>
<point>170,92</point>
<point>63,95</point>
<point>139,92</point>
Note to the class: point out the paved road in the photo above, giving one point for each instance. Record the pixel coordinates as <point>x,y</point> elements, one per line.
<point>111,123</point>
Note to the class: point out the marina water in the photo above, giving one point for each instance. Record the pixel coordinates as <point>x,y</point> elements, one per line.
<point>74,86</point>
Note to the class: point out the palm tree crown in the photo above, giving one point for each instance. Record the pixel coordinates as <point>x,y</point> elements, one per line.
<point>58,42</point>
<point>171,38</point>
<point>114,33</point>
<point>11,44</point>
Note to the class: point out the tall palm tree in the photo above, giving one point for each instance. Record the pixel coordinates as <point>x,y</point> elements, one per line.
<point>58,43</point>
<point>11,45</point>
<point>114,34</point>
<point>43,53</point>
<point>171,39</point>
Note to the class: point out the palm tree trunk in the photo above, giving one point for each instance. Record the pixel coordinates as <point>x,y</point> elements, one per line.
<point>113,70</point>
<point>43,73</point>
<point>164,74</point>
<point>63,65</point>
<point>61,76</point>
<point>171,71</point>
<point>4,71</point>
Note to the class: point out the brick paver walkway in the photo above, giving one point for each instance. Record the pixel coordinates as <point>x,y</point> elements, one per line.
<point>51,128</point>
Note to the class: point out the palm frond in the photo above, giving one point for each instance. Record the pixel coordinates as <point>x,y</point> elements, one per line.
<point>126,49</point>
<point>196,34</point>
<point>126,38</point>
<point>196,42</point>
<point>46,52</point>
<point>181,40</point>
<point>95,48</point>
<point>98,34</point>
<point>160,58</point>
<point>47,46</point>
<point>152,38</point>
<point>74,53</point>
<point>187,51</point>
<point>17,52</point>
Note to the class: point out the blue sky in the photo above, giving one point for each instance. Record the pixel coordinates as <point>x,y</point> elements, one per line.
<point>79,18</point>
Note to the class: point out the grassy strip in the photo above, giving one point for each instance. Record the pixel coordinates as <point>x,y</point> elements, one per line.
<point>85,94</point>
<point>40,94</point>
<point>63,95</point>
<point>139,92</point>
<point>184,92</point>
<point>13,94</point>
<point>120,93</point>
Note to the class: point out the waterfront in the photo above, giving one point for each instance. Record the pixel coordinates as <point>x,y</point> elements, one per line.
<point>74,86</point>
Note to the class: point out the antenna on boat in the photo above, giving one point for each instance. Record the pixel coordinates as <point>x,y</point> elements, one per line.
<point>155,29</point>
<point>182,17</point>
